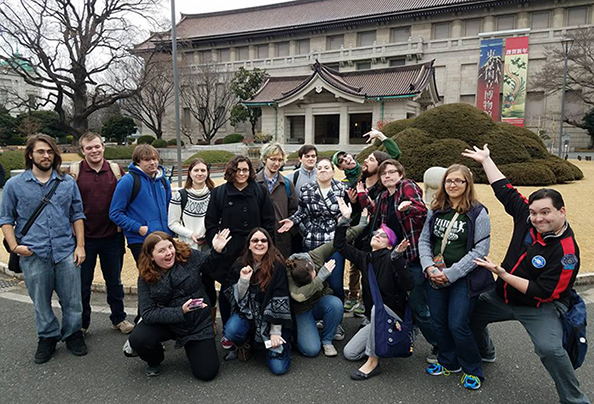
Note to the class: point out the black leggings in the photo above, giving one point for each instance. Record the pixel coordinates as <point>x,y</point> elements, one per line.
<point>146,341</point>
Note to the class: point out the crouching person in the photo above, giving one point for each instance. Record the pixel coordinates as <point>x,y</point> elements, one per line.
<point>390,279</point>
<point>174,305</point>
<point>259,297</point>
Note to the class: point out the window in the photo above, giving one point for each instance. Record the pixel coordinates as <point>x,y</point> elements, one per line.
<point>303,47</point>
<point>224,55</point>
<point>441,30</point>
<point>473,27</point>
<point>205,56</point>
<point>243,53</point>
<point>577,16</point>
<point>335,42</point>
<point>540,20</point>
<point>186,117</point>
<point>505,22</point>
<point>400,34</point>
<point>282,49</point>
<point>262,51</point>
<point>397,62</point>
<point>366,65</point>
<point>366,38</point>
<point>535,108</point>
<point>333,66</point>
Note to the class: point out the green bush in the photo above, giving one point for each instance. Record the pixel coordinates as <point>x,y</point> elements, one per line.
<point>505,147</point>
<point>530,140</point>
<point>460,121</point>
<point>12,160</point>
<point>145,139</point>
<point>16,140</point>
<point>119,153</point>
<point>233,138</point>
<point>159,143</point>
<point>410,139</point>
<point>212,156</point>
<point>531,173</point>
<point>173,142</point>
<point>396,127</point>
<point>577,173</point>
<point>441,153</point>
<point>561,168</point>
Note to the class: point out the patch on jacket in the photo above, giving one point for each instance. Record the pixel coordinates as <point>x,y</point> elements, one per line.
<point>539,262</point>
<point>569,261</point>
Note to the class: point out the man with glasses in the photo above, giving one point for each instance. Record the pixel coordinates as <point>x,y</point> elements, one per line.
<point>281,190</point>
<point>50,254</point>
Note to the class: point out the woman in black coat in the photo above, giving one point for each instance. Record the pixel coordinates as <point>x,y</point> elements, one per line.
<point>239,205</point>
<point>169,288</point>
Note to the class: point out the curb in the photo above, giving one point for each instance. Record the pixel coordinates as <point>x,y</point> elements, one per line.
<point>581,280</point>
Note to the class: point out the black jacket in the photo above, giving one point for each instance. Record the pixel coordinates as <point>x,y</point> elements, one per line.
<point>393,276</point>
<point>161,302</point>
<point>238,211</point>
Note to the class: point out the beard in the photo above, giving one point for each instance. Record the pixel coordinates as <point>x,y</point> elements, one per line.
<point>366,173</point>
<point>40,167</point>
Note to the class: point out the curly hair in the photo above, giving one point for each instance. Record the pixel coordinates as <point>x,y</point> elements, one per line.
<point>442,200</point>
<point>148,271</point>
<point>231,169</point>
<point>272,256</point>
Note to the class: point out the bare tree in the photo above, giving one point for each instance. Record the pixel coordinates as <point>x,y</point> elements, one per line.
<point>207,94</point>
<point>150,104</point>
<point>71,46</point>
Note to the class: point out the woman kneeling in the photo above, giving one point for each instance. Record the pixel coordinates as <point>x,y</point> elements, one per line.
<point>174,305</point>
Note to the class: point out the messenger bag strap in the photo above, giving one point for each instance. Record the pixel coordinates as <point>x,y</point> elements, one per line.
<point>44,201</point>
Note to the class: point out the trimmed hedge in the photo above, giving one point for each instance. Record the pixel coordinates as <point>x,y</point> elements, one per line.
<point>145,139</point>
<point>560,168</point>
<point>506,148</point>
<point>529,174</point>
<point>12,160</point>
<point>211,156</point>
<point>326,154</point>
<point>173,142</point>
<point>395,127</point>
<point>119,153</point>
<point>159,143</point>
<point>233,138</point>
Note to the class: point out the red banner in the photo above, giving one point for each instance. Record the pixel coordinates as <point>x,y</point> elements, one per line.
<point>490,76</point>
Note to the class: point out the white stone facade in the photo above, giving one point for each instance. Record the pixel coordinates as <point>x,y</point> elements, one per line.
<point>15,92</point>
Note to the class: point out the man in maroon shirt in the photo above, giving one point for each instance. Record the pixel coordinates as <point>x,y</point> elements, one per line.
<point>97,179</point>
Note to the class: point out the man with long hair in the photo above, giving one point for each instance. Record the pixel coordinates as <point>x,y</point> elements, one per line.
<point>50,254</point>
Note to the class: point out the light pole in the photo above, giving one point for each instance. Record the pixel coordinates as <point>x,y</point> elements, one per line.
<point>566,43</point>
<point>176,93</point>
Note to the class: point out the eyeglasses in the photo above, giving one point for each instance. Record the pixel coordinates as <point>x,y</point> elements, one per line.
<point>243,170</point>
<point>457,181</point>
<point>380,233</point>
<point>44,152</point>
<point>259,240</point>
<point>390,172</point>
<point>275,160</point>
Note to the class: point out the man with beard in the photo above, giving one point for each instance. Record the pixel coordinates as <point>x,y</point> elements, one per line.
<point>50,254</point>
<point>366,192</point>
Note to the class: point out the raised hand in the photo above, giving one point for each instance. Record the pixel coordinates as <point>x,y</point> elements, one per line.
<point>374,134</point>
<point>220,240</point>
<point>286,225</point>
<point>246,272</point>
<point>352,195</point>
<point>330,265</point>
<point>345,209</point>
<point>404,206</point>
<point>478,155</point>
<point>404,244</point>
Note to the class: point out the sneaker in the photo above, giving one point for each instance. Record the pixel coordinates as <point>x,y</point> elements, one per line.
<point>76,344</point>
<point>128,351</point>
<point>339,335</point>
<point>244,352</point>
<point>226,344</point>
<point>152,371</point>
<point>433,357</point>
<point>436,369</point>
<point>125,327</point>
<point>45,348</point>
<point>350,304</point>
<point>320,324</point>
<point>329,350</point>
<point>490,359</point>
<point>470,382</point>
<point>359,311</point>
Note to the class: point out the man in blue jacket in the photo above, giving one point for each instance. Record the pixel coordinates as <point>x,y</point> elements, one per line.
<point>141,199</point>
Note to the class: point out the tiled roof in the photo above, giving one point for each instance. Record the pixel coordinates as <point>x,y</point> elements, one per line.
<point>391,81</point>
<point>300,14</point>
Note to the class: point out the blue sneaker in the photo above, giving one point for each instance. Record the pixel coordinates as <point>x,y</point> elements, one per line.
<point>470,382</point>
<point>436,369</point>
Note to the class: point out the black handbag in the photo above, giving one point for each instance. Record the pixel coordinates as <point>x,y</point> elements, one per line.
<point>14,259</point>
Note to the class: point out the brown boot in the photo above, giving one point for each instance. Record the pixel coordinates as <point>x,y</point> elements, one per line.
<point>213,313</point>
<point>244,352</point>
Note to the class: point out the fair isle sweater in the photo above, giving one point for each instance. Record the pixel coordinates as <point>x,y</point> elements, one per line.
<point>192,220</point>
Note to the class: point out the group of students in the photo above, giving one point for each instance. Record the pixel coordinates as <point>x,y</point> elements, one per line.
<point>277,245</point>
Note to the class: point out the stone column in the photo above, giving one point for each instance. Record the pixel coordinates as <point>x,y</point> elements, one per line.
<point>457,29</point>
<point>523,20</point>
<point>489,23</point>
<point>558,18</point>
<point>343,132</point>
<point>309,126</point>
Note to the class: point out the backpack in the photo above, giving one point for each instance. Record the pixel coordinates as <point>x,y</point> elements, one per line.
<point>574,322</point>
<point>183,193</point>
<point>137,184</point>
<point>115,169</point>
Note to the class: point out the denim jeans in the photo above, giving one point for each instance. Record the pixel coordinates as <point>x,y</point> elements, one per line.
<point>328,308</point>
<point>336,279</point>
<point>111,254</point>
<point>543,325</point>
<point>240,330</point>
<point>450,314</point>
<point>418,303</point>
<point>42,277</point>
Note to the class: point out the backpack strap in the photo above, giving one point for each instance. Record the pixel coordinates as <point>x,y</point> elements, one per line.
<point>75,169</point>
<point>135,186</point>
<point>115,169</point>
<point>295,177</point>
<point>287,187</point>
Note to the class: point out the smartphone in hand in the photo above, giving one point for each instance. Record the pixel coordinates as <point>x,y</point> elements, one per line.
<point>196,304</point>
